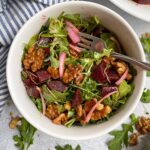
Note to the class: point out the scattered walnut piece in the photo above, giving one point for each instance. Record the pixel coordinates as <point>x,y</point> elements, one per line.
<point>79,111</point>
<point>33,59</point>
<point>99,114</point>
<point>73,73</point>
<point>143,125</point>
<point>133,140</point>
<point>61,119</point>
<point>14,122</point>
<point>54,72</point>
<point>52,111</point>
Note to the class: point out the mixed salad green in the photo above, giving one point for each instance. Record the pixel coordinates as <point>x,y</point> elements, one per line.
<point>71,85</point>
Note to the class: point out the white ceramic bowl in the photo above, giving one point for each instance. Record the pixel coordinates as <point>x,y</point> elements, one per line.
<point>140,11</point>
<point>112,21</point>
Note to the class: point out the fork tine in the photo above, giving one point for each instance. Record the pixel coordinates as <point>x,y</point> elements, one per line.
<point>84,46</point>
<point>85,41</point>
<point>88,36</point>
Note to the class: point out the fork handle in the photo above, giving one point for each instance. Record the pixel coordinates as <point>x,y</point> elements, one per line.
<point>141,64</point>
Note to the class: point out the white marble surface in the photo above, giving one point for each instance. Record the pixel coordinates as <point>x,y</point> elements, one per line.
<point>45,142</point>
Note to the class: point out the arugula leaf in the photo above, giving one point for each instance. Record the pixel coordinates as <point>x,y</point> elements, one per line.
<point>54,96</point>
<point>78,147</point>
<point>24,75</point>
<point>32,41</point>
<point>57,28</point>
<point>115,103</point>
<point>146,96</point>
<point>145,40</point>
<point>84,24</point>
<point>69,123</point>
<point>67,147</point>
<point>121,136</point>
<point>53,60</point>
<point>38,103</point>
<point>118,99</point>
<point>93,22</point>
<point>25,137</point>
<point>90,89</point>
<point>58,147</point>
<point>107,38</point>
<point>148,74</point>
<point>76,19</point>
<point>100,55</point>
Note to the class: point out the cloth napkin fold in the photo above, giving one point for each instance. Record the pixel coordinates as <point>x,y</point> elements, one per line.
<point>13,14</point>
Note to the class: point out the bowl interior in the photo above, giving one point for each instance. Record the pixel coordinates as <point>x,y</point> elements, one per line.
<point>110,20</point>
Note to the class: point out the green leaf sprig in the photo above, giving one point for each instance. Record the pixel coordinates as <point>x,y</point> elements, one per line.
<point>121,136</point>
<point>145,40</point>
<point>146,96</point>
<point>25,137</point>
<point>67,147</point>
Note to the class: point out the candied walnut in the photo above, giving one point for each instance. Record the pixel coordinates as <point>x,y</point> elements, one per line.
<point>14,122</point>
<point>143,125</point>
<point>107,60</point>
<point>33,59</point>
<point>73,73</point>
<point>100,107</point>
<point>52,111</point>
<point>79,111</point>
<point>74,53</point>
<point>120,67</point>
<point>54,72</point>
<point>133,139</point>
<point>89,104</point>
<point>61,119</point>
<point>98,114</point>
<point>105,111</point>
<point>67,106</point>
<point>78,79</point>
<point>129,77</point>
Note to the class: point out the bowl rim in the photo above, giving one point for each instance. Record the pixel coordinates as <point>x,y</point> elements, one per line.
<point>129,11</point>
<point>83,137</point>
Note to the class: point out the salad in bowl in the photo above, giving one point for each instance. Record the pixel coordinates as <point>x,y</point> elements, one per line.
<point>70,85</point>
